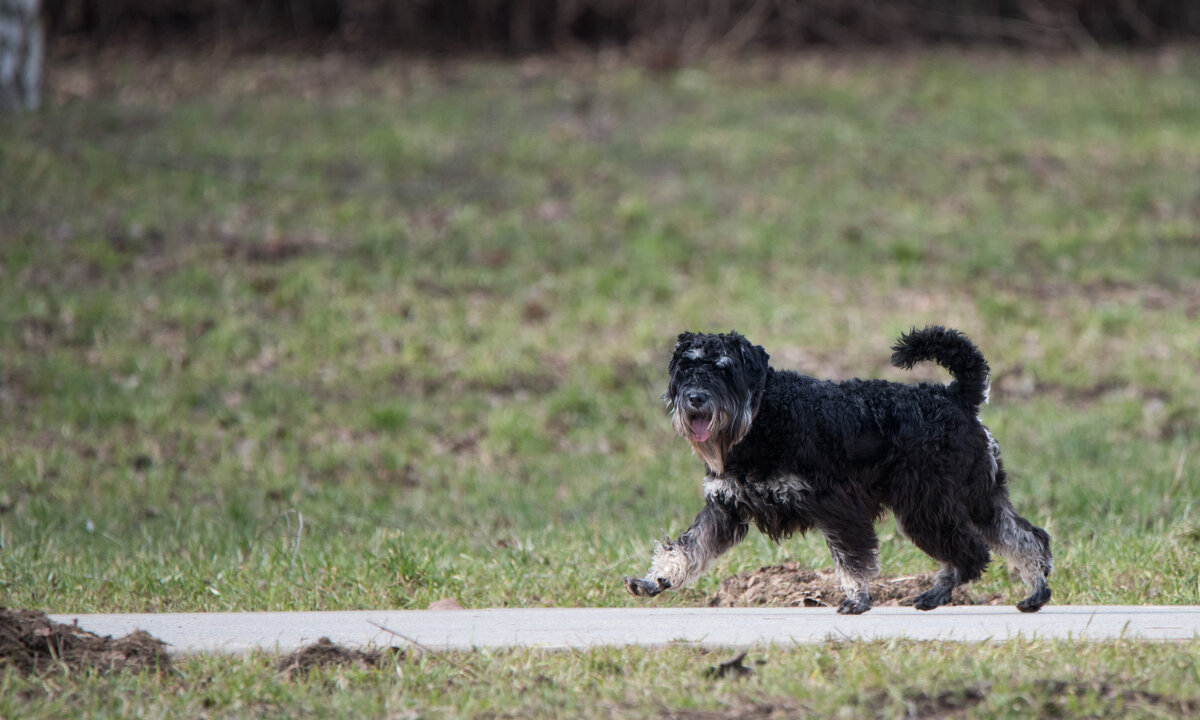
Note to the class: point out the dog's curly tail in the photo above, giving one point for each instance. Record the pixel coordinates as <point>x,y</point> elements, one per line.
<point>952,350</point>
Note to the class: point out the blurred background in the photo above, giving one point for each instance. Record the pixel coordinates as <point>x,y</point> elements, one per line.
<point>661,33</point>
<point>367,304</point>
<point>674,28</point>
<point>308,304</point>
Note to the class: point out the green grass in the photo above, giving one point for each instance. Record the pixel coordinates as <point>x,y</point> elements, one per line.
<point>285,334</point>
<point>1117,679</point>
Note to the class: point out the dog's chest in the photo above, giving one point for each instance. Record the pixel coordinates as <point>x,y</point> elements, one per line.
<point>761,497</point>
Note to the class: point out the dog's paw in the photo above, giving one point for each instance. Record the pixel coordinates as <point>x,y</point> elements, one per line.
<point>641,587</point>
<point>1034,602</point>
<point>934,597</point>
<point>853,607</point>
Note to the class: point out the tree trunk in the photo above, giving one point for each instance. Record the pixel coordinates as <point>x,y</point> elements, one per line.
<point>21,53</point>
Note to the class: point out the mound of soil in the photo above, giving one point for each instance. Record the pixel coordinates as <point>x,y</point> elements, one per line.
<point>789,585</point>
<point>324,653</point>
<point>31,642</point>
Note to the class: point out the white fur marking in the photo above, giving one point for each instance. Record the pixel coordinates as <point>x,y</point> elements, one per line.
<point>1019,547</point>
<point>718,488</point>
<point>780,490</point>
<point>993,454</point>
<point>672,564</point>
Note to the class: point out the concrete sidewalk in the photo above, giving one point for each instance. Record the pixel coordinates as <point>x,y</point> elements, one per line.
<point>561,628</point>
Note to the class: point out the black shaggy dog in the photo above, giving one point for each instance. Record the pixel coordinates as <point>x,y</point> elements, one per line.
<point>791,453</point>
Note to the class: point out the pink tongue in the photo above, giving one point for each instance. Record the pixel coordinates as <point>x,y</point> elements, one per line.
<point>700,428</point>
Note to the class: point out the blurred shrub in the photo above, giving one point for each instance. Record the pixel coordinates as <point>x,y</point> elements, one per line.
<point>668,31</point>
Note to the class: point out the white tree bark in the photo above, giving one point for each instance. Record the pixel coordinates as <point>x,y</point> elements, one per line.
<point>22,49</point>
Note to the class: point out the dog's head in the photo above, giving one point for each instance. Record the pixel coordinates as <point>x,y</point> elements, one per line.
<point>715,388</point>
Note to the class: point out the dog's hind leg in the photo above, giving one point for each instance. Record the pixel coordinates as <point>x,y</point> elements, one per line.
<point>1011,536</point>
<point>1025,546</point>
<point>677,562</point>
<point>947,535</point>
<point>942,591</point>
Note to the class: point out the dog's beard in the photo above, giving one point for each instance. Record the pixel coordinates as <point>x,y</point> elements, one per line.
<point>712,435</point>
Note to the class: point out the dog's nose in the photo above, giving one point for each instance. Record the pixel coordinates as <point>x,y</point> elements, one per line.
<point>697,399</point>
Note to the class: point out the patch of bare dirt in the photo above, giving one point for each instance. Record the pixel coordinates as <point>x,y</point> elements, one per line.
<point>448,603</point>
<point>945,705</point>
<point>774,709</point>
<point>1051,698</point>
<point>939,706</point>
<point>739,711</point>
<point>789,585</point>
<point>325,654</point>
<point>1060,693</point>
<point>32,643</point>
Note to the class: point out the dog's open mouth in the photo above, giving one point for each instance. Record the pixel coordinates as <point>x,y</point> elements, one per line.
<point>701,425</point>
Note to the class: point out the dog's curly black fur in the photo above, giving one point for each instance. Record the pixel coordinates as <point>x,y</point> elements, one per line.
<point>790,453</point>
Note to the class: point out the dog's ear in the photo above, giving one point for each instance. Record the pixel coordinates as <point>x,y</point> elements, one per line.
<point>755,361</point>
<point>684,339</point>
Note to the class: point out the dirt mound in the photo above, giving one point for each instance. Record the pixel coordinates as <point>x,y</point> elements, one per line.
<point>31,642</point>
<point>324,653</point>
<point>789,585</point>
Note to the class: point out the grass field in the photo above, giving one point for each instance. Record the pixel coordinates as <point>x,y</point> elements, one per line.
<point>290,333</point>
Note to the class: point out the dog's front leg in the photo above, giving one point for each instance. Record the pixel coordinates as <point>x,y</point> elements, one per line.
<point>855,551</point>
<point>677,562</point>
